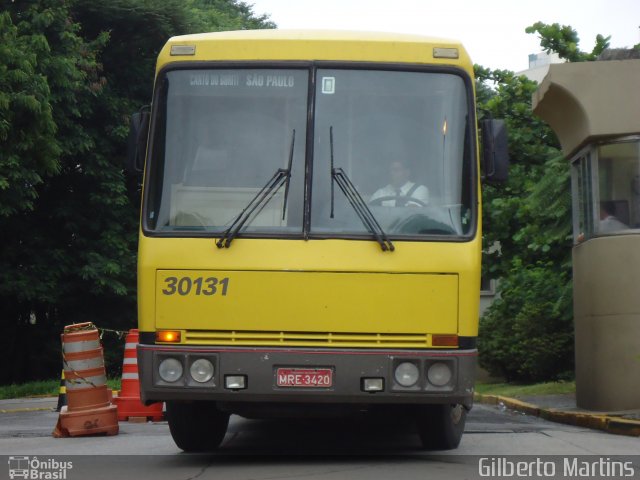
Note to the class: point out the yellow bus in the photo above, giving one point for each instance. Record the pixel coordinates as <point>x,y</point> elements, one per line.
<point>310,230</point>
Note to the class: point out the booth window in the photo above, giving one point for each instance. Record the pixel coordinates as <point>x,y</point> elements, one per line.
<point>606,189</point>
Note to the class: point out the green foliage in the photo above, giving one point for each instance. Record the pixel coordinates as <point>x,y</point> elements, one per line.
<point>71,73</point>
<point>28,146</point>
<point>516,215</point>
<point>563,40</point>
<point>527,334</point>
<point>219,15</point>
<point>29,389</point>
<point>548,204</point>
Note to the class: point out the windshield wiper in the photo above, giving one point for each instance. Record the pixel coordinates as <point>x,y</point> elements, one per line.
<point>361,208</point>
<point>281,177</point>
<point>288,180</point>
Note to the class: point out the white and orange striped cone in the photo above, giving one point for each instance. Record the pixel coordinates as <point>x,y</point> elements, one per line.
<point>128,400</point>
<point>89,410</point>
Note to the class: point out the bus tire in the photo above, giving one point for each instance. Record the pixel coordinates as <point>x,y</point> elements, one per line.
<point>441,426</point>
<point>197,426</point>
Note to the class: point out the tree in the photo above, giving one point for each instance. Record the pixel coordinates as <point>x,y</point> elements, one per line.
<point>563,40</point>
<point>29,69</point>
<point>219,15</point>
<point>54,78</point>
<point>81,67</point>
<point>508,212</point>
<point>527,334</point>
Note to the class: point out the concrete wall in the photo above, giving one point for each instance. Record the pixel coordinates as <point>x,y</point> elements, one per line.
<point>606,290</point>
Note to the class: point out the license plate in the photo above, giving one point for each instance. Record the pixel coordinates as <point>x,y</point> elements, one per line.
<point>304,377</point>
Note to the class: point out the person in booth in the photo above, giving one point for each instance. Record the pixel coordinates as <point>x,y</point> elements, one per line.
<point>608,220</point>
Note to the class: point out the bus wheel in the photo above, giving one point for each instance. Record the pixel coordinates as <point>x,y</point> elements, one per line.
<point>197,426</point>
<point>441,426</point>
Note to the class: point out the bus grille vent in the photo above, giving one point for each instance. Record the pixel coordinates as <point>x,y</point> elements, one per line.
<point>307,339</point>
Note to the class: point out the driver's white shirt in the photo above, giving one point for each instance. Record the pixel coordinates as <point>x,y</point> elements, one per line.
<point>421,193</point>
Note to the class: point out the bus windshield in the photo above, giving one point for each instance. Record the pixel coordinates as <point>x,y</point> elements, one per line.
<point>221,136</point>
<point>401,137</point>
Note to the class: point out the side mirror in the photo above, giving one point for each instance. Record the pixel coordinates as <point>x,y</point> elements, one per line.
<point>495,151</point>
<point>137,142</point>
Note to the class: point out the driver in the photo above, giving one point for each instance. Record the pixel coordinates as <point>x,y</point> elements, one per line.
<point>401,187</point>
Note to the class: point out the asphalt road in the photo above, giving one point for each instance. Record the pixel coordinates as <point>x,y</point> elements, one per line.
<point>328,449</point>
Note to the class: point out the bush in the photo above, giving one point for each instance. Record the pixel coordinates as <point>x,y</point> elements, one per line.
<point>527,333</point>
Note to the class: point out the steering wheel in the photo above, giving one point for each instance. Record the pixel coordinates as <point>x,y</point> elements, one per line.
<point>401,200</point>
<point>419,223</point>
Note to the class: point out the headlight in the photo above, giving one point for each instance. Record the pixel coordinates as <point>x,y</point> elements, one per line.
<point>439,374</point>
<point>201,370</point>
<point>407,374</point>
<point>170,370</point>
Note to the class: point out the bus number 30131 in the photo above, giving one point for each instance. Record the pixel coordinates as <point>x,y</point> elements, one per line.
<point>198,286</point>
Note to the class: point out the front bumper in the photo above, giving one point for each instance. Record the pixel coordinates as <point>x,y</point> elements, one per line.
<point>350,367</point>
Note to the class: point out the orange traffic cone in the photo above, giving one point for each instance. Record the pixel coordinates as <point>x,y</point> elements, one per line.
<point>128,400</point>
<point>88,410</point>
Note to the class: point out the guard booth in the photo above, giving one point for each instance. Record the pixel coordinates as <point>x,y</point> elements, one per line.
<point>594,108</point>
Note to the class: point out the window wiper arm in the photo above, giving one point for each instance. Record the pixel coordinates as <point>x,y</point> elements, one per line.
<point>260,198</point>
<point>281,177</point>
<point>288,180</point>
<point>361,208</point>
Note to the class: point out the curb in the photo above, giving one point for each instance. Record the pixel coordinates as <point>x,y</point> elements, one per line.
<point>606,423</point>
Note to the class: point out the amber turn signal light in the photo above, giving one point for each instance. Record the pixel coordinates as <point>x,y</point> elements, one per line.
<point>444,341</point>
<point>168,336</point>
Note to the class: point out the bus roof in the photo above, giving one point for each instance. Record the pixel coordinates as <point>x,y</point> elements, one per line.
<point>336,45</point>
